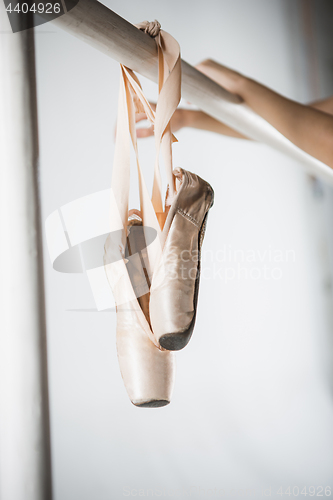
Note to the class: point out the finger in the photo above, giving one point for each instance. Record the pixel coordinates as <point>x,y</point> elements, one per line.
<point>140,116</point>
<point>144,132</point>
<point>202,68</point>
<point>206,63</point>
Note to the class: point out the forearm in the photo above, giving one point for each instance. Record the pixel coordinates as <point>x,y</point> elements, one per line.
<point>202,121</point>
<point>308,128</point>
<point>325,105</point>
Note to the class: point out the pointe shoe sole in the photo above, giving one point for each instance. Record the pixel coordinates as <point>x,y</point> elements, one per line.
<point>148,372</point>
<point>153,404</point>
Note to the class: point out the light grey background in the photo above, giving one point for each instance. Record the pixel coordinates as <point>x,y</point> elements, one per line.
<point>252,406</point>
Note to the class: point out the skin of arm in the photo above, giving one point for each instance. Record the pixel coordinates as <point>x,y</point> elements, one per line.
<point>183,118</point>
<point>308,127</point>
<point>200,120</point>
<point>325,105</point>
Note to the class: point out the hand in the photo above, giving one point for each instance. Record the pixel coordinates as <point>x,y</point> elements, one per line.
<point>178,121</point>
<point>228,78</point>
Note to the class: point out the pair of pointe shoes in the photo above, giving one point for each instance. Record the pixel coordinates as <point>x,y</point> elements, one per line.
<point>162,318</point>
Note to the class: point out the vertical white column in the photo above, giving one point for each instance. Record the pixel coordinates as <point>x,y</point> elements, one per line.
<point>25,468</point>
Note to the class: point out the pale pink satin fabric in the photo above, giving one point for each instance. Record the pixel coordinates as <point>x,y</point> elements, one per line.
<point>132,101</point>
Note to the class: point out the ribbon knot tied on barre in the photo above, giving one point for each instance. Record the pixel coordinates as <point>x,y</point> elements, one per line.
<point>152,28</point>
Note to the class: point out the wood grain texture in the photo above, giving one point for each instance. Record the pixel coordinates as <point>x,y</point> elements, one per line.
<point>97,25</point>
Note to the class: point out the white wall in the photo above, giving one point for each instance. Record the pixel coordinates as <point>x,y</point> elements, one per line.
<point>252,406</point>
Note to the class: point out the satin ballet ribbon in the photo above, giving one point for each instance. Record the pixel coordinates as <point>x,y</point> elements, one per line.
<point>131,101</point>
<point>169,87</point>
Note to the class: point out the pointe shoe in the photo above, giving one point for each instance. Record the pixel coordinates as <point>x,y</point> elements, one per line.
<point>175,283</point>
<point>148,371</point>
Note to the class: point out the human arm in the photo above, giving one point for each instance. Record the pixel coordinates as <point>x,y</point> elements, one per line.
<point>308,127</point>
<point>325,105</point>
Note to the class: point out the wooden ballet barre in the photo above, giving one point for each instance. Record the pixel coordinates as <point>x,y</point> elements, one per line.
<point>97,25</point>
